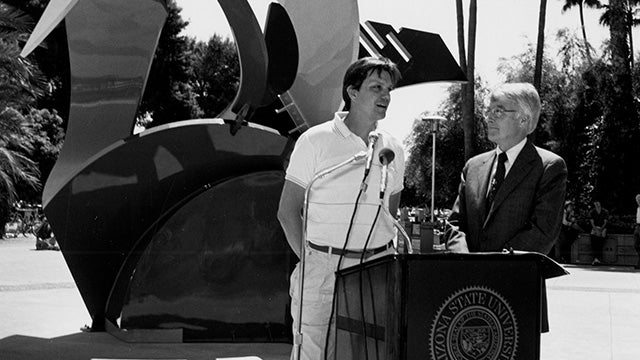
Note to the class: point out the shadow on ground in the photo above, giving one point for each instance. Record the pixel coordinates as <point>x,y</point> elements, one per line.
<point>83,346</point>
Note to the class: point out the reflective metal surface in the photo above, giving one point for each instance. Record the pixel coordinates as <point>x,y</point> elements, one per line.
<point>175,228</point>
<point>252,53</point>
<point>111,45</point>
<point>218,268</point>
<point>327,33</point>
<point>104,217</point>
<point>420,56</point>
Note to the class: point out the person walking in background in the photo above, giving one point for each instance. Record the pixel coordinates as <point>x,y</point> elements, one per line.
<point>636,232</point>
<point>598,216</point>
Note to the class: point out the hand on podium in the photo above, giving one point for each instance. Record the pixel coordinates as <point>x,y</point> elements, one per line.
<point>453,239</point>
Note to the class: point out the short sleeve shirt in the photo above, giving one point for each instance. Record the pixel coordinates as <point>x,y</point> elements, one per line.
<point>599,218</point>
<point>332,198</point>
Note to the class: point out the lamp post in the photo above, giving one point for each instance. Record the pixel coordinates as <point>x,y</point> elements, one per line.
<point>434,122</point>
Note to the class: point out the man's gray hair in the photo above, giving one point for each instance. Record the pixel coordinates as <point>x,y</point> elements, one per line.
<point>527,98</point>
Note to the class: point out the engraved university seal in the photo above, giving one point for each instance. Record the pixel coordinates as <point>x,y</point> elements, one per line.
<point>474,323</point>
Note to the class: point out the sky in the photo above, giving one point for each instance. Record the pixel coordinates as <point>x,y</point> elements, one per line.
<point>504,28</point>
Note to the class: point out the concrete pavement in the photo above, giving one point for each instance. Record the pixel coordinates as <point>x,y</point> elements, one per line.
<point>594,313</point>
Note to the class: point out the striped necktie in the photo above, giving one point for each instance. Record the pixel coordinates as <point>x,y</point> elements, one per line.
<point>497,180</point>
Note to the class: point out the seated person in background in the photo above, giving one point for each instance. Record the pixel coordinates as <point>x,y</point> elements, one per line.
<point>569,234</point>
<point>636,232</point>
<point>598,216</point>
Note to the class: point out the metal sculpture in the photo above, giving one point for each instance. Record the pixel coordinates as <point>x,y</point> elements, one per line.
<point>174,230</point>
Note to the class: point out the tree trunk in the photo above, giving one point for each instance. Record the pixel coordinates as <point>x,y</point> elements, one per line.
<point>584,34</point>
<point>630,30</point>
<point>537,74</point>
<point>467,65</point>
<point>469,121</point>
<point>463,65</point>
<point>461,47</point>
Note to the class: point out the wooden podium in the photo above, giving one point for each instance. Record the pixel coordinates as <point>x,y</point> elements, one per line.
<point>443,307</point>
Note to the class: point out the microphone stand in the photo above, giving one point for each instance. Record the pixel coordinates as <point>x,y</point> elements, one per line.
<point>407,239</point>
<point>386,156</point>
<point>297,340</point>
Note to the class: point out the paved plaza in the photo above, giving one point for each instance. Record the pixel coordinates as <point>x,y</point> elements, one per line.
<point>594,314</point>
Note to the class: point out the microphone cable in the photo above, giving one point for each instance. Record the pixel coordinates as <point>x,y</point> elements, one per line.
<point>360,285</point>
<point>361,291</point>
<point>344,247</point>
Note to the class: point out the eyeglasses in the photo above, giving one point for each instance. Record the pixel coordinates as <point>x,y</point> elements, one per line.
<point>498,112</point>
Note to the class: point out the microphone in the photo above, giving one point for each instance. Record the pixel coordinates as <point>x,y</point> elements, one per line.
<point>373,138</point>
<point>386,156</point>
<point>331,169</point>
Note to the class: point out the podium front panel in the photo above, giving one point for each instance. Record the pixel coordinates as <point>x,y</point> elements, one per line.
<point>440,307</point>
<point>368,293</point>
<point>473,309</point>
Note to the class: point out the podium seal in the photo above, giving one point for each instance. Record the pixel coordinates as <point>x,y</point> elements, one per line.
<point>474,323</point>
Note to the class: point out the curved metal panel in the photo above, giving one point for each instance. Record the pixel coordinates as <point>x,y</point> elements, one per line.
<point>327,33</point>
<point>102,211</point>
<point>54,13</point>
<point>252,53</point>
<point>421,56</point>
<point>218,268</point>
<point>282,47</point>
<point>111,45</point>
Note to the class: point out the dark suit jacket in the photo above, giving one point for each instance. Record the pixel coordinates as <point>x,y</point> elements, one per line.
<point>527,211</point>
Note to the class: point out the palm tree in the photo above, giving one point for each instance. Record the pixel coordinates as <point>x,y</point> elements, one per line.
<point>19,85</point>
<point>568,4</point>
<point>629,9</point>
<point>537,72</point>
<point>467,63</point>
<point>21,80</point>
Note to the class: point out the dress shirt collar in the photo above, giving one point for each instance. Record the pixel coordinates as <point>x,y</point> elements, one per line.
<point>512,153</point>
<point>338,120</point>
<point>342,128</point>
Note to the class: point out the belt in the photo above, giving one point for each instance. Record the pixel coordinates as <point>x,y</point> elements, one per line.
<point>349,252</point>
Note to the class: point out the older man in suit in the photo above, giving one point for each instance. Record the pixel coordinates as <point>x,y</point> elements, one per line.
<point>511,197</point>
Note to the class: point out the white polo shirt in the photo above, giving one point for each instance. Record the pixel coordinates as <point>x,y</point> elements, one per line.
<point>332,198</point>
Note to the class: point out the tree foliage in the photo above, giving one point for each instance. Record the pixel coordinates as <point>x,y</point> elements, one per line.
<point>51,58</point>
<point>216,74</point>
<point>169,95</point>
<point>617,133</point>
<point>45,138</point>
<point>568,4</point>
<point>450,151</point>
<point>20,83</point>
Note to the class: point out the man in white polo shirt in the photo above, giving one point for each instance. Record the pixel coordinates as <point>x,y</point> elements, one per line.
<point>332,200</point>
<point>339,233</point>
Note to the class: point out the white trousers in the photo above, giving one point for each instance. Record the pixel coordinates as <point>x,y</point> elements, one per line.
<point>319,283</point>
